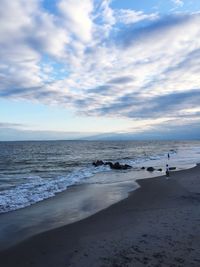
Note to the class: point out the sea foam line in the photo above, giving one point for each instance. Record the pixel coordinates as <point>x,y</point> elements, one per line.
<point>38,189</point>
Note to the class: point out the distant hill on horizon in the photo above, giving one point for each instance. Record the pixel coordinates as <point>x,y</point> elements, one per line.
<point>11,134</point>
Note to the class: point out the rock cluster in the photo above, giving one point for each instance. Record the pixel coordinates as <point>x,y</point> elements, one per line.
<point>151,169</point>
<point>116,165</point>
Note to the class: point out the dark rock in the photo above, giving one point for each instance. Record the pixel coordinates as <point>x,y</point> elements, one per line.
<point>172,168</point>
<point>111,164</point>
<point>150,169</point>
<point>118,166</point>
<point>98,163</point>
<point>108,163</point>
<point>143,168</point>
<point>159,170</point>
<point>126,166</point>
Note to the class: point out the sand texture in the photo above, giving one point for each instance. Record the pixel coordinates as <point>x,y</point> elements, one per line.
<point>157,225</point>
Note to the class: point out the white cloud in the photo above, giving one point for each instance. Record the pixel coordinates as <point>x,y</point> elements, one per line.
<point>107,13</point>
<point>128,16</point>
<point>91,46</point>
<point>178,2</point>
<point>77,17</point>
<point>27,32</point>
<point>105,16</point>
<point>47,36</point>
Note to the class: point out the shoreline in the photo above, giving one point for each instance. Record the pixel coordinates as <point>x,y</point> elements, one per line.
<point>72,205</point>
<point>139,230</point>
<point>44,189</point>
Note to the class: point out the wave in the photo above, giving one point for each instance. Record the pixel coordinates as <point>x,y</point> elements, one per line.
<point>37,189</point>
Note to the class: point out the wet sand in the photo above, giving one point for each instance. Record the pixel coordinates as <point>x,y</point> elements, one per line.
<point>157,225</point>
<point>74,204</point>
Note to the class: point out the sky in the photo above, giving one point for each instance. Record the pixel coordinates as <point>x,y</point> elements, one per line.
<point>73,69</point>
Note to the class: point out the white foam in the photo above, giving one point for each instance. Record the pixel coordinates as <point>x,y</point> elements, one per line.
<point>38,189</point>
<point>155,157</point>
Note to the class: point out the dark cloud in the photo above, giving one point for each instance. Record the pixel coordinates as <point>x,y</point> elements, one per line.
<point>134,34</point>
<point>120,105</point>
<point>137,106</point>
<point>103,90</point>
<point>42,94</point>
<point>10,125</point>
<point>22,91</point>
<point>12,92</point>
<point>84,103</point>
<point>166,105</point>
<point>191,62</point>
<point>38,93</point>
<point>121,80</point>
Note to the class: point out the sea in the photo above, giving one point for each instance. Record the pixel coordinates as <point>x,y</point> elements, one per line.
<point>32,171</point>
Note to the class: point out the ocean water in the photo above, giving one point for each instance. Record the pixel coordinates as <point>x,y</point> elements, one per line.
<point>32,171</point>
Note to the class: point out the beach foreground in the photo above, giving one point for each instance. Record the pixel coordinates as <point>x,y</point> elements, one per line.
<point>157,225</point>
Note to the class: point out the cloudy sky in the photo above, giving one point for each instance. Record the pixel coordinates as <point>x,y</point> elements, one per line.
<point>71,68</point>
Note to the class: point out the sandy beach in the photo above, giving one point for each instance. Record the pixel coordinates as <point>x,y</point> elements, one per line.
<point>157,225</point>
